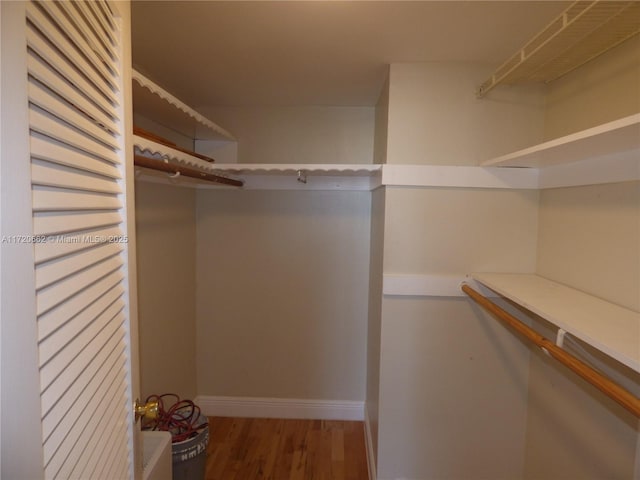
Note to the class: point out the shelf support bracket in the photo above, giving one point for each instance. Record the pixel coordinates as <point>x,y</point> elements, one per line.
<point>560,337</point>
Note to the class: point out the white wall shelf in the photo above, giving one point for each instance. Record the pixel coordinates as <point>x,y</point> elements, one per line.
<point>619,137</point>
<point>429,285</point>
<point>612,329</point>
<point>358,177</point>
<point>458,177</point>
<point>153,102</point>
<point>583,31</point>
<point>150,149</point>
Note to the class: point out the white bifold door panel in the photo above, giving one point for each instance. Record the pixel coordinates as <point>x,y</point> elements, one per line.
<point>76,143</point>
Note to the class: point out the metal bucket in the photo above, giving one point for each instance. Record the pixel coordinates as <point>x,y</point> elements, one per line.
<point>189,457</point>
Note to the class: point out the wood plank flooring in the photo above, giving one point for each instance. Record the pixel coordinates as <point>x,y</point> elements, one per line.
<point>277,449</point>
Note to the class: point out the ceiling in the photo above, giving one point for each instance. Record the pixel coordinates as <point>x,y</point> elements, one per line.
<point>258,53</point>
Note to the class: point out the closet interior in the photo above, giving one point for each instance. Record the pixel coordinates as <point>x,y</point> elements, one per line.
<point>335,288</point>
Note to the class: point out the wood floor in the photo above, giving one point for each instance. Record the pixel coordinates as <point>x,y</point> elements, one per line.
<point>276,449</point>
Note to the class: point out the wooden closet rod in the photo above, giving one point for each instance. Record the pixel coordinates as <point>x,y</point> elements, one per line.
<point>162,166</point>
<point>602,383</point>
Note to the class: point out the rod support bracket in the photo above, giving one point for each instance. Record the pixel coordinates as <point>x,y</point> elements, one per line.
<point>560,337</point>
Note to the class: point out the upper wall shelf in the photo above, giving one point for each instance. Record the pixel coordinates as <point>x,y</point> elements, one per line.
<point>286,176</point>
<point>618,136</point>
<point>612,329</point>
<point>200,170</point>
<point>152,101</point>
<point>583,31</point>
<point>149,148</point>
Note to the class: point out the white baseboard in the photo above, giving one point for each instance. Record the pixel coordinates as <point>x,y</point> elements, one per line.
<point>258,407</point>
<point>368,444</point>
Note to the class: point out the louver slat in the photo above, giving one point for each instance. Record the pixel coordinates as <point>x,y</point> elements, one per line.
<point>43,148</point>
<point>57,61</point>
<point>89,67</point>
<point>56,270</point>
<point>65,244</point>
<point>104,24</point>
<point>93,453</point>
<point>55,294</point>
<point>49,102</point>
<point>41,71</point>
<point>57,424</point>
<point>53,319</point>
<point>100,39</point>
<point>49,345</point>
<point>51,175</point>
<point>78,42</point>
<point>54,223</point>
<point>47,199</point>
<point>50,126</point>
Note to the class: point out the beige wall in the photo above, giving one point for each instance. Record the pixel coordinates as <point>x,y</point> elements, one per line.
<point>282,293</point>
<point>381,126</point>
<point>166,246</point>
<point>605,89</point>
<point>446,373</point>
<point>589,238</point>
<point>573,430</point>
<point>378,201</point>
<point>436,119</point>
<point>440,230</point>
<point>453,392</point>
<point>445,368</point>
<point>158,129</point>
<point>299,134</point>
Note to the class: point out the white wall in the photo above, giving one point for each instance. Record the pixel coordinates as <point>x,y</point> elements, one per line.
<point>301,258</point>
<point>381,126</point>
<point>166,255</point>
<point>299,134</point>
<point>282,295</point>
<point>159,129</point>
<point>376,239</point>
<point>375,318</point>
<point>447,373</point>
<point>439,230</point>
<point>589,238</point>
<point>586,237</point>
<point>453,392</point>
<point>602,90</point>
<point>435,118</point>
<point>574,430</point>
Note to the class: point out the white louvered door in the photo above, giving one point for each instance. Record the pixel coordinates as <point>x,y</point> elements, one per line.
<point>77,118</point>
